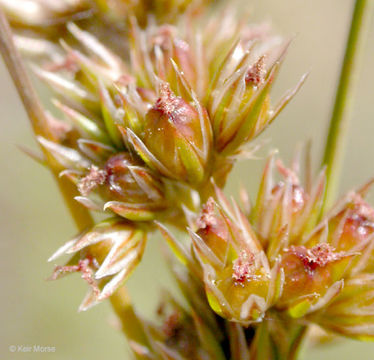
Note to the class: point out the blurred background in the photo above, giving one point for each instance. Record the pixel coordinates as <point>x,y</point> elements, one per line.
<point>34,222</point>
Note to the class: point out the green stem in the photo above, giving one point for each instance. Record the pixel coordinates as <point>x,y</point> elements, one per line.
<point>334,149</point>
<point>278,339</point>
<point>38,120</point>
<point>297,342</point>
<point>288,341</point>
<point>131,326</point>
<point>120,300</point>
<point>262,347</point>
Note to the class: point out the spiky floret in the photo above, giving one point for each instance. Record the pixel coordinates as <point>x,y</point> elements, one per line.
<point>281,258</point>
<point>105,255</point>
<point>237,274</point>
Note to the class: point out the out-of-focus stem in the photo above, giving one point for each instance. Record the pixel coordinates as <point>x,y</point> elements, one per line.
<point>38,120</point>
<point>334,149</point>
<point>120,300</point>
<point>297,342</point>
<point>21,80</point>
<point>131,325</point>
<point>282,341</point>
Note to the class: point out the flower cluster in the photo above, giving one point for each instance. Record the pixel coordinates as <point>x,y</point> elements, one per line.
<point>144,138</point>
<point>148,131</point>
<point>281,257</point>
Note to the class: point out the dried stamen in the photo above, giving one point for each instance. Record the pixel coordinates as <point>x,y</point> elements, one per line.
<point>207,218</point>
<point>257,72</point>
<point>85,267</point>
<point>316,257</point>
<point>243,266</point>
<point>94,178</point>
<point>167,102</point>
<point>172,324</point>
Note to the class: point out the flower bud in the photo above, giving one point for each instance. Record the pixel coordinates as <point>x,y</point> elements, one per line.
<point>358,225</point>
<point>175,134</point>
<point>128,181</point>
<point>213,229</point>
<point>168,44</point>
<point>313,276</point>
<point>239,283</point>
<point>285,207</point>
<point>239,101</point>
<point>129,189</point>
<point>350,227</point>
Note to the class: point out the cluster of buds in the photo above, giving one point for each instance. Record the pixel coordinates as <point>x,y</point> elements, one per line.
<point>280,257</point>
<point>149,137</point>
<point>164,105</point>
<point>143,139</point>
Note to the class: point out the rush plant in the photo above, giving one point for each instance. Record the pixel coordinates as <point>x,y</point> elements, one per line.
<point>157,101</point>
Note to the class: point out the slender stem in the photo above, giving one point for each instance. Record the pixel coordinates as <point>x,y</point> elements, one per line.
<point>38,120</point>
<point>22,81</point>
<point>334,149</point>
<point>278,339</point>
<point>131,326</point>
<point>297,343</point>
<point>120,300</point>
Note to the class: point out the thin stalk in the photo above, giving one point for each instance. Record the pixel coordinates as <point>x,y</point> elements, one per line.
<point>334,149</point>
<point>131,326</point>
<point>297,343</point>
<point>38,120</point>
<point>281,341</point>
<point>120,300</point>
